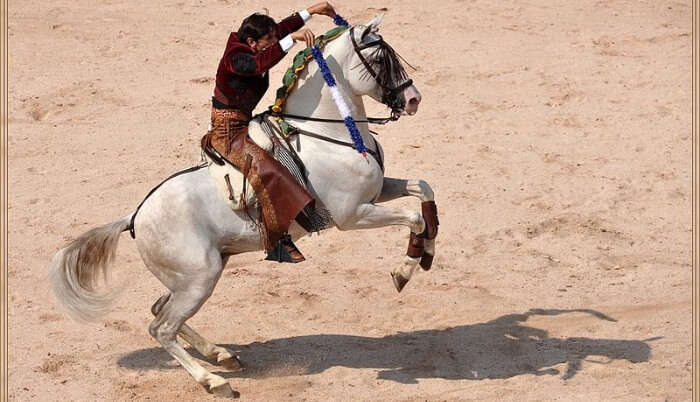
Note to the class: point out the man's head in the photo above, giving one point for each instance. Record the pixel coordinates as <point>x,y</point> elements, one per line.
<point>258,32</point>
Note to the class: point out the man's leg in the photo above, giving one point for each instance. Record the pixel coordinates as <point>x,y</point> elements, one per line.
<point>281,197</point>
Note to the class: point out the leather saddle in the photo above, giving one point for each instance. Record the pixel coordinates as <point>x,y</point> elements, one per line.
<point>229,180</point>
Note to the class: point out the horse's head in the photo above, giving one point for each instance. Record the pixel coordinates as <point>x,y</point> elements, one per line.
<point>376,70</point>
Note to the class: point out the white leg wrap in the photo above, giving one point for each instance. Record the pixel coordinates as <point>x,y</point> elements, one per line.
<point>408,268</point>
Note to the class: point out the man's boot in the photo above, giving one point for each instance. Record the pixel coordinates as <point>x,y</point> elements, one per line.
<point>285,251</point>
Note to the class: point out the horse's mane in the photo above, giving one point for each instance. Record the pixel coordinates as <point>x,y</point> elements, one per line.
<point>301,60</point>
<point>388,65</point>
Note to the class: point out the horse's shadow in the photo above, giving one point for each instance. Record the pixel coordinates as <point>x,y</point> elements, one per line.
<point>500,348</point>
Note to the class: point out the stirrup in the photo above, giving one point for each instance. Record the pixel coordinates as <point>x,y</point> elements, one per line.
<point>285,251</point>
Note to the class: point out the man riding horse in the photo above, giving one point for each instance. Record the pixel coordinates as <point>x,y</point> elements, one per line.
<point>208,230</point>
<point>241,81</point>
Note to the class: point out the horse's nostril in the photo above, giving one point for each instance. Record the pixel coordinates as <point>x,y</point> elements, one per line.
<point>412,105</point>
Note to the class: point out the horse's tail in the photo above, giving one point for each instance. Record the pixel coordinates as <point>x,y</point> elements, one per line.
<point>77,268</point>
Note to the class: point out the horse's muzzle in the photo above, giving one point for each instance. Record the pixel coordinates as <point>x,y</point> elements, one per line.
<point>412,99</point>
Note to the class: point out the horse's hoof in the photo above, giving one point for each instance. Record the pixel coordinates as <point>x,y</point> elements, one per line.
<point>426,261</point>
<point>232,363</point>
<point>223,390</point>
<point>399,281</point>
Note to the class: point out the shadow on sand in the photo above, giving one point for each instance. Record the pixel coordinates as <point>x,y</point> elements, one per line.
<point>500,348</point>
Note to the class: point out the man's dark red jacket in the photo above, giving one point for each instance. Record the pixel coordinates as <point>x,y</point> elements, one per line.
<point>242,76</point>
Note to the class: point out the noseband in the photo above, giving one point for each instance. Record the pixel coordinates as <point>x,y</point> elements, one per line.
<point>390,95</point>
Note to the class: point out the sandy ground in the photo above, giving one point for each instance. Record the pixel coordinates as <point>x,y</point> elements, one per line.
<point>557,138</point>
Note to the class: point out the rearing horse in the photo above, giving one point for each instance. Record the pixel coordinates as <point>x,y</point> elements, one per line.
<point>186,233</point>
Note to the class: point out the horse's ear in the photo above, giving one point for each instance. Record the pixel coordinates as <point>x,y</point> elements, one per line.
<point>365,30</point>
<point>374,24</point>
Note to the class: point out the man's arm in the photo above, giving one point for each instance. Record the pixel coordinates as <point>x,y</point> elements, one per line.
<point>292,23</point>
<point>247,64</point>
<point>297,20</point>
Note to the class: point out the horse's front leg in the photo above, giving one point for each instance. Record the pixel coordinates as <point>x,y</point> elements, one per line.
<point>396,188</point>
<point>368,216</point>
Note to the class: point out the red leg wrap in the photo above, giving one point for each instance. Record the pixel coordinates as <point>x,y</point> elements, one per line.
<point>415,246</point>
<point>429,210</point>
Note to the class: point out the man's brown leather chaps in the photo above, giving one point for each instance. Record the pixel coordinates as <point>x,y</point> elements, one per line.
<point>280,196</point>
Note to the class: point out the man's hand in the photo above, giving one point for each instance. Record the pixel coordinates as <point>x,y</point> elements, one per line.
<point>304,34</point>
<point>322,8</point>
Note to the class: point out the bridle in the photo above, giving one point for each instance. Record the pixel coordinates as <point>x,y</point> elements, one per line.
<point>390,95</point>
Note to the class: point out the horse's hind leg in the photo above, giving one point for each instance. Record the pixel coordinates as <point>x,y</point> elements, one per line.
<point>203,346</point>
<point>184,301</point>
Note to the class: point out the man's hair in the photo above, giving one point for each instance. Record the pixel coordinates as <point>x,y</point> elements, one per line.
<point>255,27</point>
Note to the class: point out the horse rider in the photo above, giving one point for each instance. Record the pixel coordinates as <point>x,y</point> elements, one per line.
<point>241,81</point>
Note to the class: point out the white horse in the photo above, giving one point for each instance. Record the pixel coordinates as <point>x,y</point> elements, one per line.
<point>185,232</point>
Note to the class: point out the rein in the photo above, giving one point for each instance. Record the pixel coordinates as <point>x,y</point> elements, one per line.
<point>377,155</point>
<point>370,120</point>
<point>291,130</point>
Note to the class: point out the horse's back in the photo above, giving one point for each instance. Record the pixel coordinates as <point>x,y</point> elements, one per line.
<point>188,210</point>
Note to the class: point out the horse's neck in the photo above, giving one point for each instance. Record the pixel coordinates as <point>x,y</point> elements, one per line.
<point>312,97</point>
